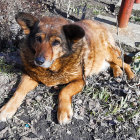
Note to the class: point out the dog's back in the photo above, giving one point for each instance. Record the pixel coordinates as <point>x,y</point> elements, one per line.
<point>96,51</point>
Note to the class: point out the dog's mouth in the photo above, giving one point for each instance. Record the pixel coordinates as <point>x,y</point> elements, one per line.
<point>46,64</point>
<point>41,62</point>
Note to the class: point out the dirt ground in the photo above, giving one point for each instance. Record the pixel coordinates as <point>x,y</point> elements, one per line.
<point>107,109</point>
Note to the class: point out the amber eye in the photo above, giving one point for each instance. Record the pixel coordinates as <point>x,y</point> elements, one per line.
<point>55,42</point>
<point>38,39</point>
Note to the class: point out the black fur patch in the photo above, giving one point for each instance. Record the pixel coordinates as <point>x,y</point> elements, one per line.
<point>73,32</point>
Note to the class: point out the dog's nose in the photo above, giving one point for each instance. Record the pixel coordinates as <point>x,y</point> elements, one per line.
<point>39,60</point>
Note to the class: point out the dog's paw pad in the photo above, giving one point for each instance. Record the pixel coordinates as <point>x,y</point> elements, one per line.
<point>64,115</point>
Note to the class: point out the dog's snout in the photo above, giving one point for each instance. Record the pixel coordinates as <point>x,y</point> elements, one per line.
<point>39,60</point>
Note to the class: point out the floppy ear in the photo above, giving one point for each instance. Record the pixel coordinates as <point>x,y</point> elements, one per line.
<point>26,21</point>
<point>73,32</point>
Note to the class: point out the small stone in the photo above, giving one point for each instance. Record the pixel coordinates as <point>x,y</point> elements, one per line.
<point>28,101</point>
<point>130,138</point>
<point>41,137</point>
<point>118,79</point>
<point>91,105</point>
<point>114,13</point>
<point>132,99</point>
<point>126,88</point>
<point>68,132</point>
<point>2,90</point>
<point>137,92</point>
<point>134,103</point>
<point>129,91</point>
<point>38,98</point>
<point>78,101</point>
<point>89,130</point>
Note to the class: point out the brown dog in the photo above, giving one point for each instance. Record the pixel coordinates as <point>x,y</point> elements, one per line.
<point>59,52</point>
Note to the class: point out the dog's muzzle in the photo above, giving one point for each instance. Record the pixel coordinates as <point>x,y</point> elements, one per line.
<point>42,62</point>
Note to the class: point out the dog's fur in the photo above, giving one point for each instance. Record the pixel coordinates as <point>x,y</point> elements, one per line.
<point>59,52</point>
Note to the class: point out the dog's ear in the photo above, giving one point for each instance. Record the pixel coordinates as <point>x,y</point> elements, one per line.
<point>73,32</point>
<point>26,21</point>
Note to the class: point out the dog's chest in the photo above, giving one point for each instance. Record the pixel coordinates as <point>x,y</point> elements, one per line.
<point>65,74</point>
<point>50,78</point>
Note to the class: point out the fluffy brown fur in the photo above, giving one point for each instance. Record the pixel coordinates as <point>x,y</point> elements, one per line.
<point>59,52</point>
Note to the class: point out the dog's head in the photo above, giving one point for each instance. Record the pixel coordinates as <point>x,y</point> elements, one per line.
<point>49,37</point>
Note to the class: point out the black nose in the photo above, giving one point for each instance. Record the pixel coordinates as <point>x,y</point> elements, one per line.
<point>39,60</point>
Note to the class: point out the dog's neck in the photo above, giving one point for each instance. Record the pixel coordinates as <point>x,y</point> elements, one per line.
<point>55,67</point>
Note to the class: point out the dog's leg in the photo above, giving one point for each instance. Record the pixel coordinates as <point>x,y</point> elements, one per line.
<point>127,68</point>
<point>117,72</point>
<point>65,111</point>
<point>115,58</point>
<point>8,110</point>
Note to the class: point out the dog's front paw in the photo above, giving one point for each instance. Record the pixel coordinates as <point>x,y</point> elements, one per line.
<point>131,76</point>
<point>6,113</point>
<point>117,72</point>
<point>64,113</point>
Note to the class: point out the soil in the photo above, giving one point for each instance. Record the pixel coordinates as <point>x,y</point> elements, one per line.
<point>108,108</point>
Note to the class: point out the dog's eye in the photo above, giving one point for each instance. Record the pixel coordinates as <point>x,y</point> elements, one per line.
<point>38,39</point>
<point>55,42</point>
